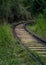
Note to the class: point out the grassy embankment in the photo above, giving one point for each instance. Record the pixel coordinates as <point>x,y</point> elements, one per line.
<point>39,28</point>
<point>12,53</point>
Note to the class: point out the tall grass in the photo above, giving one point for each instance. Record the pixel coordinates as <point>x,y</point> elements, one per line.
<point>40,27</point>
<point>12,53</point>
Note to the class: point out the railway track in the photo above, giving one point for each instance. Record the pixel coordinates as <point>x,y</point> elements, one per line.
<point>29,41</point>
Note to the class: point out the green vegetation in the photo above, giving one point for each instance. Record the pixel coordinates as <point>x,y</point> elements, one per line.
<point>40,27</point>
<point>15,10</point>
<point>12,10</point>
<point>34,6</point>
<point>43,59</point>
<point>12,53</point>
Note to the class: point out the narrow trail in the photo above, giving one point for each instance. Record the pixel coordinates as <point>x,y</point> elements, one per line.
<point>30,41</point>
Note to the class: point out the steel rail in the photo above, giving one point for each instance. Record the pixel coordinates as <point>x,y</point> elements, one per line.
<point>33,34</point>
<point>19,41</point>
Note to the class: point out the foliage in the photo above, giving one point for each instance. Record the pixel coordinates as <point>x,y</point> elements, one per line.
<point>15,9</point>
<point>5,8</point>
<point>35,6</point>
<point>44,14</point>
<point>8,8</point>
<point>40,27</point>
<point>38,6</point>
<point>12,53</point>
<point>27,3</point>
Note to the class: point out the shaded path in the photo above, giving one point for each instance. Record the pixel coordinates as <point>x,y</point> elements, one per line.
<point>30,41</point>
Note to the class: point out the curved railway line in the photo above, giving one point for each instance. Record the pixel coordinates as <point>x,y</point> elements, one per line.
<point>30,42</point>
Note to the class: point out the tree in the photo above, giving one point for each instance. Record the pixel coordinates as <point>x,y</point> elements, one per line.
<point>35,6</point>
<point>8,8</point>
<point>38,6</point>
<point>5,9</point>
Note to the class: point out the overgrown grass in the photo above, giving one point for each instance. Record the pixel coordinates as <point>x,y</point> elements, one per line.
<point>39,28</point>
<point>12,53</point>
